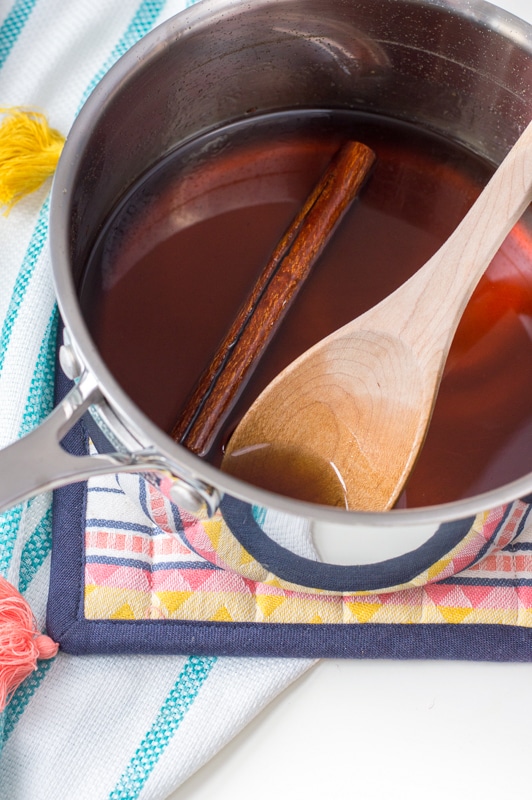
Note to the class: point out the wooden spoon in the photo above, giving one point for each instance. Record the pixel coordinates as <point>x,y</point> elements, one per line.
<point>344,423</point>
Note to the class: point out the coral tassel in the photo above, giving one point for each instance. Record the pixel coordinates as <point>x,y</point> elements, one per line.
<point>29,152</point>
<point>21,644</point>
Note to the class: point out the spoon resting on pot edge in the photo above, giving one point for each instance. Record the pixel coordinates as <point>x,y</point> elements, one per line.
<point>348,418</point>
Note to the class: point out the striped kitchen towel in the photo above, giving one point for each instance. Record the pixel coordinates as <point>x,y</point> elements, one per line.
<point>99,726</point>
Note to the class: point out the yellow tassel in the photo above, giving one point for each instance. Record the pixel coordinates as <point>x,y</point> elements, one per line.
<point>29,152</point>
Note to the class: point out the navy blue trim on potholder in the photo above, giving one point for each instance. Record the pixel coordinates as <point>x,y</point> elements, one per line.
<point>335,577</point>
<point>77,635</point>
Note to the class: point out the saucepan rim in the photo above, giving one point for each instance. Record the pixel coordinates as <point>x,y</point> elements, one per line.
<point>147,433</point>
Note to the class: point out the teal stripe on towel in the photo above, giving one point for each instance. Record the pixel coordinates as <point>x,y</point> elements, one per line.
<point>9,525</point>
<point>40,400</point>
<point>173,711</point>
<point>35,551</point>
<point>13,25</point>
<point>22,697</point>
<point>24,276</point>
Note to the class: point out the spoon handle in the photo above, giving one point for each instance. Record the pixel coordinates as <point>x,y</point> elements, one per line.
<point>425,311</point>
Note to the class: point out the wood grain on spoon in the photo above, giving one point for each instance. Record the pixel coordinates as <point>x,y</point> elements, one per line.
<point>359,402</point>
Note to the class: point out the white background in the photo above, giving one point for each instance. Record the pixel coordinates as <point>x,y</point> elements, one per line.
<point>385,729</point>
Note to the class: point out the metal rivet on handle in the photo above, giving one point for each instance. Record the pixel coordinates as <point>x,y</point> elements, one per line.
<point>186,497</point>
<point>69,362</point>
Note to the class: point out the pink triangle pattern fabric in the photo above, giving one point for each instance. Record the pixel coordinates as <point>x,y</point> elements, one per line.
<point>158,563</point>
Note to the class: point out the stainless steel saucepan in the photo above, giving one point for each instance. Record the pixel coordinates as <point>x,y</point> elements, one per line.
<point>461,69</point>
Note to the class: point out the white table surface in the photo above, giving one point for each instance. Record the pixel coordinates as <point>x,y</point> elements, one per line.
<point>385,729</point>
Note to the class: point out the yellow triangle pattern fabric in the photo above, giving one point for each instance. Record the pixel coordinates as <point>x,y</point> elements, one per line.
<point>483,591</point>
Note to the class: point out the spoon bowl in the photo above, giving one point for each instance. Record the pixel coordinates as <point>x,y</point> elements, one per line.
<point>355,408</point>
<point>306,427</point>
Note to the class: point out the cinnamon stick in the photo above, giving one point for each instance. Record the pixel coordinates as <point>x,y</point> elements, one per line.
<point>219,386</point>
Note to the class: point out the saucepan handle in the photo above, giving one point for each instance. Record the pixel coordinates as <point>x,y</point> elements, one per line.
<point>37,462</point>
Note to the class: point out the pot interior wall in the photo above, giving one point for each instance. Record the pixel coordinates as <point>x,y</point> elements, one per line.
<point>430,63</point>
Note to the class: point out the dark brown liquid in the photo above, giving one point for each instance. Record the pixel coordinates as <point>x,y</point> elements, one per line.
<point>183,250</point>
